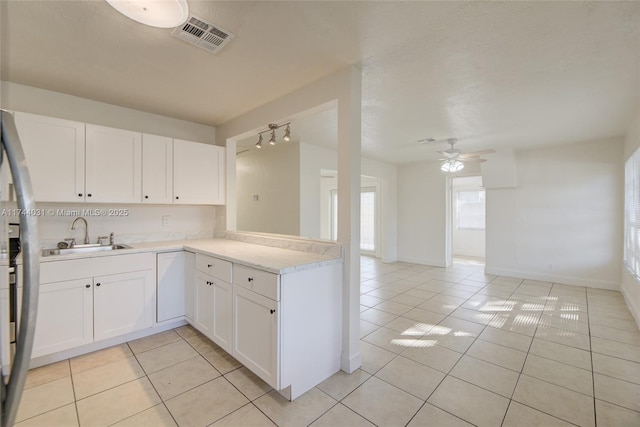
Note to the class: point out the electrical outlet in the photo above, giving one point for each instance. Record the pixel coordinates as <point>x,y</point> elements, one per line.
<point>165,220</point>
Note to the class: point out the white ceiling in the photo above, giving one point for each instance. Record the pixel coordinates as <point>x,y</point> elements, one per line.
<point>492,74</point>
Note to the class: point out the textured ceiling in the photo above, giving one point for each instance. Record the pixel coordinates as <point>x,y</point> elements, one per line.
<point>492,74</point>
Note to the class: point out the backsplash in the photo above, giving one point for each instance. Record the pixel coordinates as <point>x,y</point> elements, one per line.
<point>129,223</point>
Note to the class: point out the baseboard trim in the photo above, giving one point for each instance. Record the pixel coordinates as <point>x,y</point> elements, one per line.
<point>99,345</point>
<point>555,278</point>
<point>350,363</point>
<point>427,262</point>
<point>632,304</point>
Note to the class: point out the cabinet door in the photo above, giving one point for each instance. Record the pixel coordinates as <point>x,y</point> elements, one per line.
<point>157,169</point>
<point>113,165</point>
<point>203,315</point>
<point>198,173</point>
<point>65,316</point>
<point>170,285</point>
<point>54,150</point>
<point>255,339</point>
<point>222,309</point>
<point>123,303</point>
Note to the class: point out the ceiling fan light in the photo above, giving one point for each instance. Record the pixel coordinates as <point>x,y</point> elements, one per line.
<point>451,166</point>
<point>155,13</point>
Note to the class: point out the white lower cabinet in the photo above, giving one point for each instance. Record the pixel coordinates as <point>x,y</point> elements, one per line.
<point>65,316</point>
<point>122,303</point>
<point>203,315</point>
<point>212,299</point>
<point>222,318</point>
<point>255,342</point>
<point>80,301</point>
<point>285,328</point>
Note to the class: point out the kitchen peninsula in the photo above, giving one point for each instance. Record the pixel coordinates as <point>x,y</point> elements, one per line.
<point>272,302</point>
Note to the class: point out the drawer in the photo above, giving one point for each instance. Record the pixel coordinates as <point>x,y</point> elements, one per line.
<point>261,282</point>
<point>214,267</point>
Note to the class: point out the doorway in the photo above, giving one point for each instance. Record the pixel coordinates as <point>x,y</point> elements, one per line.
<point>467,222</point>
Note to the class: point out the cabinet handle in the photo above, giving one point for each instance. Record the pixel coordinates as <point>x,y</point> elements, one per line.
<point>89,195</point>
<point>79,194</point>
<point>250,279</point>
<point>146,197</point>
<point>87,286</point>
<point>177,197</point>
<point>209,265</point>
<point>272,311</point>
<point>97,284</point>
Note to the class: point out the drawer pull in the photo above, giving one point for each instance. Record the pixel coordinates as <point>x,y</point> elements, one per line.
<point>272,311</point>
<point>97,284</point>
<point>87,286</point>
<point>250,279</point>
<point>209,265</point>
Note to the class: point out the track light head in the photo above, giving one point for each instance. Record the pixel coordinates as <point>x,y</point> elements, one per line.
<point>259,143</point>
<point>272,141</point>
<point>287,134</point>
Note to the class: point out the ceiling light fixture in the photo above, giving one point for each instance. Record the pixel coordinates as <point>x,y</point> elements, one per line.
<point>452,165</point>
<point>272,128</point>
<point>155,13</point>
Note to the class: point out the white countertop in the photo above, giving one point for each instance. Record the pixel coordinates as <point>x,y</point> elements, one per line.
<point>268,258</point>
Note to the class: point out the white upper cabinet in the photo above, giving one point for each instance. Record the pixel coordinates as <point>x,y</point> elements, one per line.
<point>113,165</point>
<point>157,169</point>
<point>198,173</point>
<point>76,162</point>
<point>55,151</point>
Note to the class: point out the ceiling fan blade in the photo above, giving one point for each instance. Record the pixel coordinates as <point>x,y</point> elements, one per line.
<point>473,160</point>
<point>479,153</point>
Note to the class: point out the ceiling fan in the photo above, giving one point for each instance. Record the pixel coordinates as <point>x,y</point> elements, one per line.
<point>453,159</point>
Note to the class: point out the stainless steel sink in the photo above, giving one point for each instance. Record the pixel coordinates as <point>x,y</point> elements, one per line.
<point>80,249</point>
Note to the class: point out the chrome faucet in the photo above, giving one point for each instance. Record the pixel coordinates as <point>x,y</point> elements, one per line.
<point>86,229</point>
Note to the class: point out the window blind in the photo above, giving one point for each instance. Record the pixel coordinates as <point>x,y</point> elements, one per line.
<point>470,209</point>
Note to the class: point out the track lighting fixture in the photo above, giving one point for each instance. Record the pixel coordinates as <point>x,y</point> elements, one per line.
<point>272,128</point>
<point>287,134</point>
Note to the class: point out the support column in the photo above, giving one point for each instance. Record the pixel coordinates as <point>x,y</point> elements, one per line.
<point>349,125</point>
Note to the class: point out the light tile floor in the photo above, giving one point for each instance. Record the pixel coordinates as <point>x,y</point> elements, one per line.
<point>440,347</point>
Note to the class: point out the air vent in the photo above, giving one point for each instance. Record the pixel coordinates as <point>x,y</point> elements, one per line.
<point>203,34</point>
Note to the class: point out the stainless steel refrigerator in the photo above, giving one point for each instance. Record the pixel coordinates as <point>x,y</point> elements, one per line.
<point>13,381</point>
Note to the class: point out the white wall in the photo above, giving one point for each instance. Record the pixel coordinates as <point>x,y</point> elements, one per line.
<point>144,222</point>
<point>313,159</point>
<point>466,241</point>
<point>422,214</point>
<point>563,222</point>
<point>629,286</point>
<point>55,104</point>
<point>272,174</point>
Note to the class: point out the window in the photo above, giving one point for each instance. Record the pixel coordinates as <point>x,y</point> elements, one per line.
<point>632,214</point>
<point>367,218</point>
<point>470,210</point>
